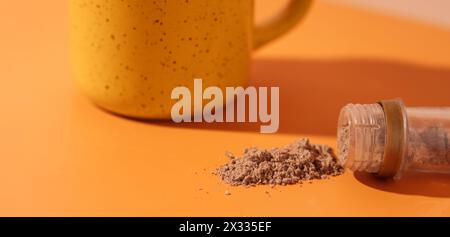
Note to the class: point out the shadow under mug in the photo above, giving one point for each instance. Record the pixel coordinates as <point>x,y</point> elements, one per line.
<point>127,56</point>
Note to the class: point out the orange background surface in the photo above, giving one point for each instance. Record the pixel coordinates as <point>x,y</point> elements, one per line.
<point>62,156</point>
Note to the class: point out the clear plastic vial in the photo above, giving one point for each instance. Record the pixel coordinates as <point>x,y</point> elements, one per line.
<point>388,139</point>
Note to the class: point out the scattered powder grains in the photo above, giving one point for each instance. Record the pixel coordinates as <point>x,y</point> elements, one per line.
<point>292,164</point>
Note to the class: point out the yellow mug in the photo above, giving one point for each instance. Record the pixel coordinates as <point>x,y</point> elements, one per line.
<point>128,55</point>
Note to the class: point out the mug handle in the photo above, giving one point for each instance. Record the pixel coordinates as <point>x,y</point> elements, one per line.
<point>281,24</point>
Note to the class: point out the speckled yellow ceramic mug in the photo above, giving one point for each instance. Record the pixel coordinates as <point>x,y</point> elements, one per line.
<point>128,55</point>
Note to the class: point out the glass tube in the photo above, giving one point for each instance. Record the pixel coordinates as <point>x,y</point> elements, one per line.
<point>388,139</point>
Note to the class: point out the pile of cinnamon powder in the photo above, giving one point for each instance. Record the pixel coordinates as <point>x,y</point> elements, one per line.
<point>291,164</point>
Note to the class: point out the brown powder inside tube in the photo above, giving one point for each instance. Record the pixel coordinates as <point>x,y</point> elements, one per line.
<point>291,164</point>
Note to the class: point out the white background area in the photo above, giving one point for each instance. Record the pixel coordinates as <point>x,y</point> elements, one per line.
<point>435,12</point>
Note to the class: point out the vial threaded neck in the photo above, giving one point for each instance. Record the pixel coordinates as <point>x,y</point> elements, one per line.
<point>361,137</point>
